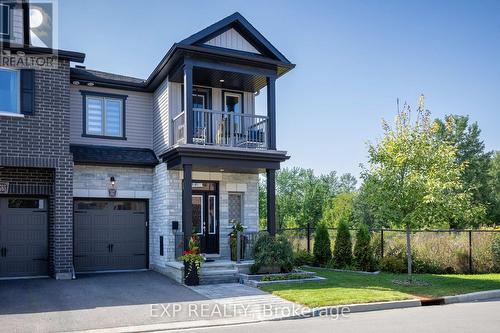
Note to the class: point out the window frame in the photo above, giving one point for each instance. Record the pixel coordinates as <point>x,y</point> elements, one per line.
<point>104,96</point>
<point>7,9</point>
<point>18,92</point>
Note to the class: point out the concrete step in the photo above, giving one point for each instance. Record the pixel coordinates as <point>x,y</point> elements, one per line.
<point>220,278</point>
<point>217,265</point>
<point>212,272</point>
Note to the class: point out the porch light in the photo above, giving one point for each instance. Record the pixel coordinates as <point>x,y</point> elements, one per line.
<point>76,83</point>
<point>221,170</point>
<point>221,80</point>
<point>112,181</point>
<point>90,84</point>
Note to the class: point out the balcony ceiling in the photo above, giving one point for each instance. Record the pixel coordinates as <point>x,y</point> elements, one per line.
<point>232,81</point>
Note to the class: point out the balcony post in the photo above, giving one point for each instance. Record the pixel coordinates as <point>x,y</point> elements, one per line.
<point>271,112</point>
<point>187,203</point>
<point>271,201</point>
<point>188,102</point>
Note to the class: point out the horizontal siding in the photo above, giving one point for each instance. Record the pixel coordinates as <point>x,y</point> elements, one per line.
<point>138,116</point>
<point>160,118</point>
<point>231,39</point>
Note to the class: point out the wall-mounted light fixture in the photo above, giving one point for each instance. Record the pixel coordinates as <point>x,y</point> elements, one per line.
<point>112,187</point>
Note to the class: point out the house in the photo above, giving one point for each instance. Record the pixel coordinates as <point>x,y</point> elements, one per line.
<point>104,172</point>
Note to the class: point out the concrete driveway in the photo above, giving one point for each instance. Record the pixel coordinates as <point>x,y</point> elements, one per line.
<point>94,301</point>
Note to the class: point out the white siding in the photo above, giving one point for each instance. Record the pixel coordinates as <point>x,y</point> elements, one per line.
<point>231,39</point>
<point>138,119</point>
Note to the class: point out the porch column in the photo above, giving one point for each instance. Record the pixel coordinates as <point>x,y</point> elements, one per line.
<point>188,101</point>
<point>271,112</point>
<point>271,201</point>
<point>187,204</point>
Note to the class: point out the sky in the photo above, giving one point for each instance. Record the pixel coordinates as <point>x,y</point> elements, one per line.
<point>354,59</point>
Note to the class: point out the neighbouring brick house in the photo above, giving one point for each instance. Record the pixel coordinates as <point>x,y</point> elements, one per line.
<point>103,172</point>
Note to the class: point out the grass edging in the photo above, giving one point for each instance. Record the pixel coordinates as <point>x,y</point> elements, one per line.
<point>343,270</point>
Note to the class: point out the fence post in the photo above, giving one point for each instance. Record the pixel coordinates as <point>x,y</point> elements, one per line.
<point>381,243</point>
<point>308,237</point>
<point>470,251</point>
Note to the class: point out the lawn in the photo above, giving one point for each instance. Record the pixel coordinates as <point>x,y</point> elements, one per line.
<point>351,288</point>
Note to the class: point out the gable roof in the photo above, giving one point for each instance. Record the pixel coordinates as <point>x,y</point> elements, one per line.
<point>241,25</point>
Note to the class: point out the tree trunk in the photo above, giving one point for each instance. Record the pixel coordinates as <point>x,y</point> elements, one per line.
<point>408,250</point>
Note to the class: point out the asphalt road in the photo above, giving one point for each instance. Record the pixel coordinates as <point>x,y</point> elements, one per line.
<point>474,317</point>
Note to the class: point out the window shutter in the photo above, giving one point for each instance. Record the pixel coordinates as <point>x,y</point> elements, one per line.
<point>27,91</point>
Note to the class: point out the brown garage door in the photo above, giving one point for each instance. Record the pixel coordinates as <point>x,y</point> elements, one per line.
<point>23,237</point>
<point>110,235</point>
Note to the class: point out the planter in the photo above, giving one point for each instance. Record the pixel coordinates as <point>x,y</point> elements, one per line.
<point>191,277</point>
<point>232,242</point>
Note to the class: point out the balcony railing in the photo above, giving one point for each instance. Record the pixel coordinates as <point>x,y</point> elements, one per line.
<point>223,129</point>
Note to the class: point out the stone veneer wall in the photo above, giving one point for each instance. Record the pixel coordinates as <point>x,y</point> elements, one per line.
<point>90,181</point>
<point>166,206</point>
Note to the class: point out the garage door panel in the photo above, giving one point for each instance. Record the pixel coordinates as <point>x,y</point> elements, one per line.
<point>111,235</point>
<point>24,234</point>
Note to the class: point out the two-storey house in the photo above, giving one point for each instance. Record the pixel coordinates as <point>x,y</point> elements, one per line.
<point>143,164</point>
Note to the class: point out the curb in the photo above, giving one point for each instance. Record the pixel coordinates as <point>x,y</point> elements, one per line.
<point>477,296</point>
<point>323,311</point>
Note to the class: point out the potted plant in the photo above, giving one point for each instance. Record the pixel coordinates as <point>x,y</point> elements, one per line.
<point>192,262</point>
<point>233,236</point>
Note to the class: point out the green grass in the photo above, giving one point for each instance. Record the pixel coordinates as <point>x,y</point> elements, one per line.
<point>351,288</point>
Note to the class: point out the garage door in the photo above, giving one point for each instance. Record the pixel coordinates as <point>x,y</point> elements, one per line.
<point>23,237</point>
<point>109,235</point>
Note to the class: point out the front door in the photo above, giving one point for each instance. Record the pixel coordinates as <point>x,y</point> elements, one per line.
<point>206,216</point>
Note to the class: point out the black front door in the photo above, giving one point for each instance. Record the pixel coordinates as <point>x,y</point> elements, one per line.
<point>206,216</point>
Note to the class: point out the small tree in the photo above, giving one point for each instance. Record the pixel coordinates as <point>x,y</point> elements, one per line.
<point>414,179</point>
<point>322,247</point>
<point>342,251</point>
<point>363,252</point>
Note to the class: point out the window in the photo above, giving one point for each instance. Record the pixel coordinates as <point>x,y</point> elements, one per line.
<point>9,90</point>
<point>104,115</point>
<point>26,203</point>
<point>4,21</point>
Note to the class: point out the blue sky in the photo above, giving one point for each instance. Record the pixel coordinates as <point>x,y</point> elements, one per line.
<point>354,58</point>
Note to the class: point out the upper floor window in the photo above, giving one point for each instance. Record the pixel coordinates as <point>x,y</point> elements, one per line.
<point>9,90</point>
<point>104,115</point>
<point>4,21</point>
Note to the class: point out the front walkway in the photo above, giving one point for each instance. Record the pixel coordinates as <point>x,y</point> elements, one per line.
<point>250,303</point>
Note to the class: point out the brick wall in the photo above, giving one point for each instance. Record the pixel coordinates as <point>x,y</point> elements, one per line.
<point>42,140</point>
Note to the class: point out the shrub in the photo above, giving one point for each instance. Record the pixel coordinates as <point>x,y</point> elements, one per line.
<point>275,252</point>
<point>393,264</point>
<point>302,257</point>
<point>322,247</point>
<point>495,250</point>
<point>363,252</point>
<point>342,251</point>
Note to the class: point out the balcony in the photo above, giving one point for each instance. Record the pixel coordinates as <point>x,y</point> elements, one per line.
<point>227,129</point>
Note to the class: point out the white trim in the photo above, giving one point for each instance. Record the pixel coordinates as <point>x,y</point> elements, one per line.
<point>11,114</point>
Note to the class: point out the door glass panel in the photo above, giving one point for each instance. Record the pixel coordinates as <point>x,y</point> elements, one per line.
<point>198,220</point>
<point>212,218</point>
<point>233,104</point>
